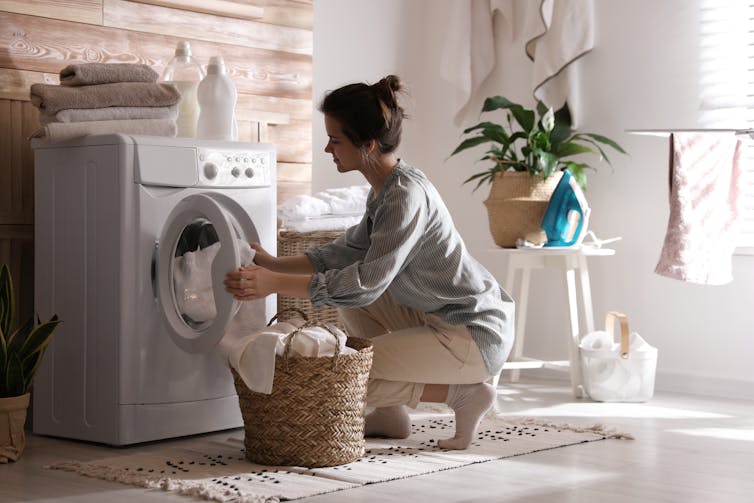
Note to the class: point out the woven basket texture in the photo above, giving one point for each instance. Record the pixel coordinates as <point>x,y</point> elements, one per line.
<point>314,416</point>
<point>292,243</point>
<point>516,205</point>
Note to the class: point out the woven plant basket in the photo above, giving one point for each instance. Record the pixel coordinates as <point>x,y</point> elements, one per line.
<point>516,205</point>
<point>314,416</point>
<point>292,243</point>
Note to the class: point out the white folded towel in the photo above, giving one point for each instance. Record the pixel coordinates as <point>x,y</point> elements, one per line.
<point>329,223</point>
<point>61,131</point>
<point>346,201</point>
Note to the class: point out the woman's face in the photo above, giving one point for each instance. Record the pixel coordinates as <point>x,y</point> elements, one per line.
<point>345,154</point>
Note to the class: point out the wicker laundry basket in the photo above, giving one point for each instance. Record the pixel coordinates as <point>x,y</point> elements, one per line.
<point>314,416</point>
<point>295,243</point>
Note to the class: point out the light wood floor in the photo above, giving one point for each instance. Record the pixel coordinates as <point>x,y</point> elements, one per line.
<point>687,449</point>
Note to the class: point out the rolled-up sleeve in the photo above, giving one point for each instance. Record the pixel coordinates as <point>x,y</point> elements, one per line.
<point>397,229</point>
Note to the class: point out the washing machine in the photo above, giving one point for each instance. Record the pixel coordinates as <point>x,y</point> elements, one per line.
<point>114,214</point>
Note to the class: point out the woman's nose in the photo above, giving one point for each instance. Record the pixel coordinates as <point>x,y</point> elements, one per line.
<point>328,148</point>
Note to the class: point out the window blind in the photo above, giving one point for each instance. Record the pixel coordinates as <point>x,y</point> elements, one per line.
<point>726,86</point>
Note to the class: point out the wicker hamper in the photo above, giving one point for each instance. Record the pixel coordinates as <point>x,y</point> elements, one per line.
<point>314,416</point>
<point>295,243</point>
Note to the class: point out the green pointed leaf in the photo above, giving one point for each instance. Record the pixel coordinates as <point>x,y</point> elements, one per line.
<point>14,377</point>
<point>470,143</point>
<point>577,170</point>
<point>7,301</point>
<point>568,148</point>
<point>547,163</point>
<point>40,337</point>
<point>17,338</point>
<point>497,103</point>
<point>605,140</point>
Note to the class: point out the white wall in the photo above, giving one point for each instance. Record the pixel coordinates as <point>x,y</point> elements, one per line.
<point>642,74</point>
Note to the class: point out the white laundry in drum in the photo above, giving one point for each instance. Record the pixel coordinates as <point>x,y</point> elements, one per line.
<point>192,280</point>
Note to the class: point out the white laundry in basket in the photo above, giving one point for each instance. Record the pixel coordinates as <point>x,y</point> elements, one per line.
<point>621,371</point>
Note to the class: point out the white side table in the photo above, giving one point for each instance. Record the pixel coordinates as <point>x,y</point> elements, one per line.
<point>572,262</point>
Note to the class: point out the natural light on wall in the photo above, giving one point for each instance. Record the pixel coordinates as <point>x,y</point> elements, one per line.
<point>726,84</point>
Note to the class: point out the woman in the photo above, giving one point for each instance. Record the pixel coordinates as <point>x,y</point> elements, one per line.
<point>440,324</point>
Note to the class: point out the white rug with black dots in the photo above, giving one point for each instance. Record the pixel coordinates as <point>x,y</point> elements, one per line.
<point>218,471</point>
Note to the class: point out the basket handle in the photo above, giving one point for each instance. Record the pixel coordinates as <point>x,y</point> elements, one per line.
<point>307,324</point>
<point>289,310</point>
<point>610,326</point>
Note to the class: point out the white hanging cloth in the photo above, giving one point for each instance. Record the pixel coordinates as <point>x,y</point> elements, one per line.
<point>557,34</point>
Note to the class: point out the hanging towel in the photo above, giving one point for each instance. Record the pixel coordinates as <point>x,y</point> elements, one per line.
<point>109,114</point>
<point>705,203</point>
<point>557,35</point>
<point>62,131</point>
<point>52,98</point>
<point>82,74</point>
<point>468,55</point>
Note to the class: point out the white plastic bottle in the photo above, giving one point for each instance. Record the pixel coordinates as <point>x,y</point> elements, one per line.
<point>185,73</point>
<point>217,103</point>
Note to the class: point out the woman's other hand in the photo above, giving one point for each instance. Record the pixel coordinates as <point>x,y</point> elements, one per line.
<point>251,282</point>
<point>262,258</point>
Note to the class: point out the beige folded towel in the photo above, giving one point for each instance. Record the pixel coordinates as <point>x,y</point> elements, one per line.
<point>53,99</point>
<point>109,114</point>
<point>83,74</point>
<point>61,131</point>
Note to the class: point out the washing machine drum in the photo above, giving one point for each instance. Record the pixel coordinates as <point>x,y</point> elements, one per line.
<point>204,237</point>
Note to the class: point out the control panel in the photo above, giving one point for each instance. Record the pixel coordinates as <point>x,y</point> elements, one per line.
<point>234,168</point>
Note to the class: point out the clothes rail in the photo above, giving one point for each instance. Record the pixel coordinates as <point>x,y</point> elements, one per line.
<point>668,132</point>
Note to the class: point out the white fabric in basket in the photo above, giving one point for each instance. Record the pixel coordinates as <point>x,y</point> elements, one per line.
<point>253,356</point>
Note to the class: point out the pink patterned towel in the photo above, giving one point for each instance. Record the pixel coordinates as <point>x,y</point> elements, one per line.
<point>705,204</point>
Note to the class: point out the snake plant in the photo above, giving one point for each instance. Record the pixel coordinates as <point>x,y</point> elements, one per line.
<point>21,348</point>
<point>538,142</point>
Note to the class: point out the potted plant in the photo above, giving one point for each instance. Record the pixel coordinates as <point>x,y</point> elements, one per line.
<point>528,154</point>
<point>21,352</point>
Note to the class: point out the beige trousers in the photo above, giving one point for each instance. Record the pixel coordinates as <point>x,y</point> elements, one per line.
<point>411,349</point>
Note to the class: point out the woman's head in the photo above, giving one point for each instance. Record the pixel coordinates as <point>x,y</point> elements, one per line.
<point>368,112</point>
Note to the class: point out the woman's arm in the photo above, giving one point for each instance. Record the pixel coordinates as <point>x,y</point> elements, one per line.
<point>255,282</point>
<point>298,264</point>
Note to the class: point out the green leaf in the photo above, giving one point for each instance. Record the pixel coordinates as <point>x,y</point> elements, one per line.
<point>497,103</point>
<point>547,163</point>
<point>17,338</point>
<point>605,140</point>
<point>569,148</point>
<point>469,143</point>
<point>14,377</point>
<point>563,116</point>
<point>7,301</point>
<point>525,118</point>
<point>577,170</point>
<point>40,337</point>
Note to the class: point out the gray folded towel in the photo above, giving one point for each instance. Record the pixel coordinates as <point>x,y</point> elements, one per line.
<point>84,74</point>
<point>61,131</point>
<point>109,113</point>
<point>53,99</point>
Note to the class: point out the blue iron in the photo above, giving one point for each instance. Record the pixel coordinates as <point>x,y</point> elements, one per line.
<point>567,216</point>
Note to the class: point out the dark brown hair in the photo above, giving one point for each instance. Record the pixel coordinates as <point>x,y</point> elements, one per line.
<point>368,112</point>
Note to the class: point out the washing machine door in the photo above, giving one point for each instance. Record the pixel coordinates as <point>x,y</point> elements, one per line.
<point>203,239</point>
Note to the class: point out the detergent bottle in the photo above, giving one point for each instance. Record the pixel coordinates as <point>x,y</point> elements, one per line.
<point>217,103</point>
<point>185,73</point>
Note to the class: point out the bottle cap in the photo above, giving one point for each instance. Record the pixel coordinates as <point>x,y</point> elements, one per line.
<point>183,49</point>
<point>216,65</point>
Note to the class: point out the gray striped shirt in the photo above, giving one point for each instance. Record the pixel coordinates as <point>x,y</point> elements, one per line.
<point>407,244</point>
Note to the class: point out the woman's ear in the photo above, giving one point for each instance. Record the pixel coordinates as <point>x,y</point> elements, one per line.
<point>370,146</point>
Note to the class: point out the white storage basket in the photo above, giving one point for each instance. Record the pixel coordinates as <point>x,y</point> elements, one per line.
<point>617,372</point>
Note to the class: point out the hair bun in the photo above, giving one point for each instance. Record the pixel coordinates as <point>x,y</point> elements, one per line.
<point>386,88</point>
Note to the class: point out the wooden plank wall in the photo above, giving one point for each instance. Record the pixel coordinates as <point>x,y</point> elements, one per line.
<point>266,44</point>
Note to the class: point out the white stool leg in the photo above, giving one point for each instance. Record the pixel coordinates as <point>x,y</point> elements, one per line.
<point>573,315</point>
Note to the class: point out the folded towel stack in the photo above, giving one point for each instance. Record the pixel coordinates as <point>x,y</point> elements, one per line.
<point>97,98</point>
<point>330,210</point>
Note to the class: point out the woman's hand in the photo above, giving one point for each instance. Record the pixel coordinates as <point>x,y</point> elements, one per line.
<point>263,258</point>
<point>250,282</point>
